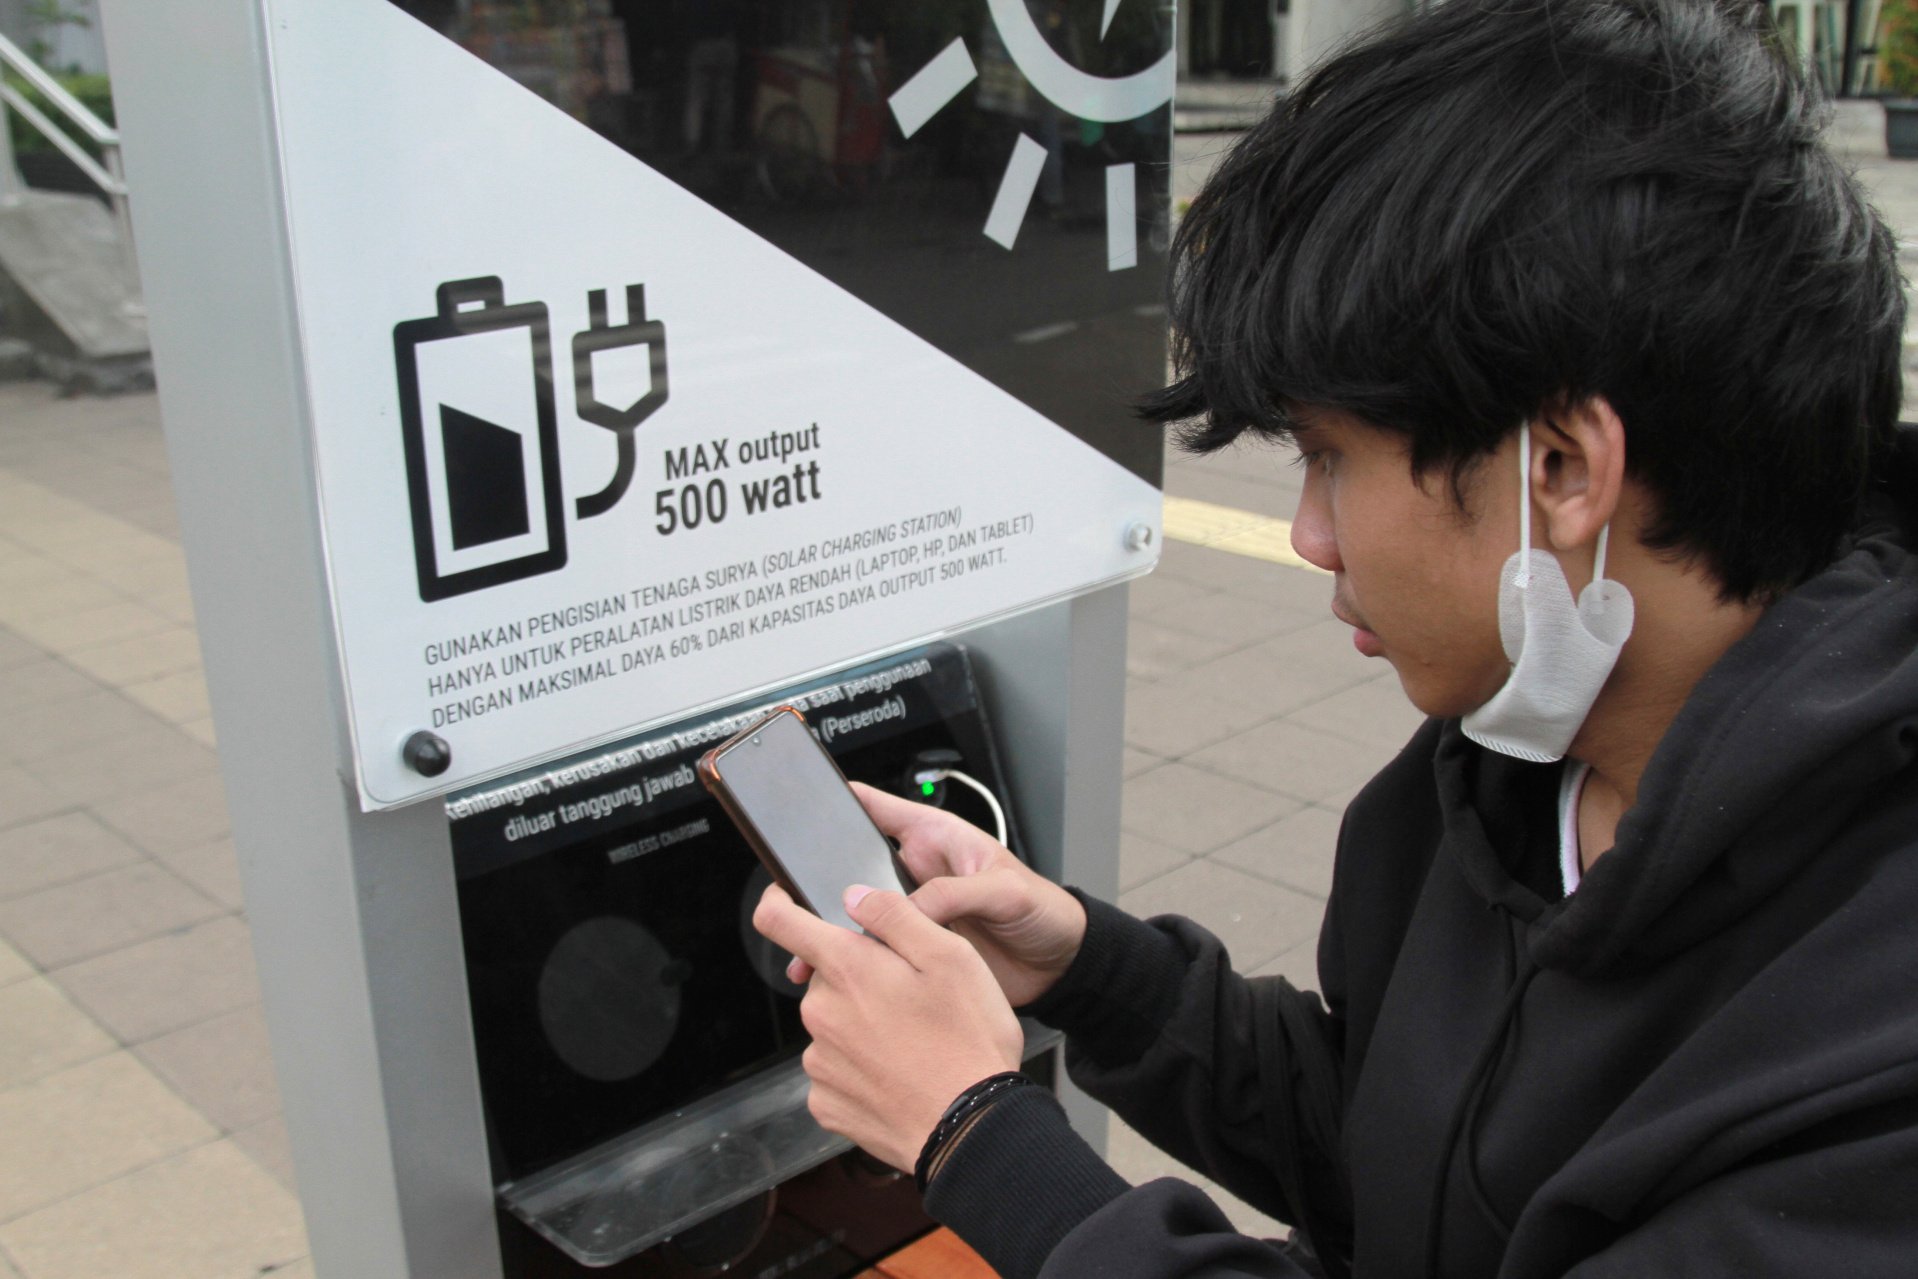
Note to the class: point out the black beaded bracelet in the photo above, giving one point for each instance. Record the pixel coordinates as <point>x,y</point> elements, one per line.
<point>964,1107</point>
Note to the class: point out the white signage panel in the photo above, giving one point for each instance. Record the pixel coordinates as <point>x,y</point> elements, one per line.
<point>591,454</point>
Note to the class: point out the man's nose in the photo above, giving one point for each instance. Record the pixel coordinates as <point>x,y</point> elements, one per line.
<point>1313,535</point>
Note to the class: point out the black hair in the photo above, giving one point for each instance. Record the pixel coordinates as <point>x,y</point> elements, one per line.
<point>1495,207</point>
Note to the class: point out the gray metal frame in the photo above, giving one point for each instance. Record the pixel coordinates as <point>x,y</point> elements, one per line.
<point>1054,681</point>
<point>354,916</point>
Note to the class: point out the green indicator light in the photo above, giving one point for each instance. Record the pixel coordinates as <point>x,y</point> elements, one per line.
<point>927,788</point>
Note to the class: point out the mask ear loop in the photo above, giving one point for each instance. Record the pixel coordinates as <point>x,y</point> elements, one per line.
<point>1524,578</point>
<point>1598,564</point>
<point>1599,598</point>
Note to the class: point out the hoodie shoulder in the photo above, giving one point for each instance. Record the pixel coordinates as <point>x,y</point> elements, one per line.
<point>1386,846</point>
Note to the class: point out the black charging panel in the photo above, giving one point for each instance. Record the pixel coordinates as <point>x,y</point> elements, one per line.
<point>613,969</point>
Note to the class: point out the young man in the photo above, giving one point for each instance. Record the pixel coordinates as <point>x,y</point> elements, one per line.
<point>1591,352</point>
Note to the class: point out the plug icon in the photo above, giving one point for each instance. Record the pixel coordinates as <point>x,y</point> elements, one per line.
<point>602,335</point>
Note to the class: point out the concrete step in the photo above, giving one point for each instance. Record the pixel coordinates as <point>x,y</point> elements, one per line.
<point>64,289</point>
<point>17,362</point>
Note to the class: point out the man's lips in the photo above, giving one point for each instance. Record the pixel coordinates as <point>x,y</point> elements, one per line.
<point>1363,638</point>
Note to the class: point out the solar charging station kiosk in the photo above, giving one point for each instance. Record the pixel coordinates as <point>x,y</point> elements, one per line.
<point>548,385</point>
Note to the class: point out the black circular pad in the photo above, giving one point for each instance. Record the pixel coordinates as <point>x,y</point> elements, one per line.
<point>609,998</point>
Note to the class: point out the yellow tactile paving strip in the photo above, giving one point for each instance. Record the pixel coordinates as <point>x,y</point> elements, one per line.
<point>1226,528</point>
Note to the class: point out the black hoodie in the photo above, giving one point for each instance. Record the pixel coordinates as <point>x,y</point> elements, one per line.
<point>1704,1062</point>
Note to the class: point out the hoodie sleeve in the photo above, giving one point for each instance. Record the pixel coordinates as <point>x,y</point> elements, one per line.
<point>1027,1193</point>
<point>1237,1078</point>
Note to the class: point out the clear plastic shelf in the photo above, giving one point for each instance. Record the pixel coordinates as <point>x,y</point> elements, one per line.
<point>624,1196</point>
<point>628,1194</point>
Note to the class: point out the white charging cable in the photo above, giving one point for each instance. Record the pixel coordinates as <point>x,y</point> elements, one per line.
<point>931,776</point>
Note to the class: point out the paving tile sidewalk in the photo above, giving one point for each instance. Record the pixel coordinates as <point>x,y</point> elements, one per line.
<point>141,1136</point>
<point>138,1106</point>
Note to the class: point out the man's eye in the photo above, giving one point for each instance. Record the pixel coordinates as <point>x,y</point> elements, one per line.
<point>1314,459</point>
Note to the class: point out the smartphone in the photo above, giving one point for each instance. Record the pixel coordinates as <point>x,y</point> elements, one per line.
<point>793,805</point>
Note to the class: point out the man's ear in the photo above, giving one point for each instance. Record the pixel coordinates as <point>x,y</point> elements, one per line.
<point>1578,471</point>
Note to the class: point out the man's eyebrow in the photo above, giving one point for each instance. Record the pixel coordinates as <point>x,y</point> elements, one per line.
<point>1300,417</point>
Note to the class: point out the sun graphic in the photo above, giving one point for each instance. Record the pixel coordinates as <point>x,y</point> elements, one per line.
<point>1099,99</point>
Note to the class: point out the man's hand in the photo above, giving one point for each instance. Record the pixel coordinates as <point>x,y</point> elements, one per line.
<point>902,1020</point>
<point>1027,927</point>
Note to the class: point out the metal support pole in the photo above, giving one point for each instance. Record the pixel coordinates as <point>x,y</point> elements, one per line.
<point>1848,68</point>
<point>12,189</point>
<point>135,303</point>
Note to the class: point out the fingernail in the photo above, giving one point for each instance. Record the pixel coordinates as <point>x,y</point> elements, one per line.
<point>792,971</point>
<point>855,895</point>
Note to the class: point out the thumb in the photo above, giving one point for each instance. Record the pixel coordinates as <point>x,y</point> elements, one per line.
<point>895,921</point>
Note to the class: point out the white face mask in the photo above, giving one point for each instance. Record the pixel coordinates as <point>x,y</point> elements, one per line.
<point>1561,653</point>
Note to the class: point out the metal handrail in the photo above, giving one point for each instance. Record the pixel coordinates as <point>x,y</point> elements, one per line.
<point>109,177</point>
<point>56,93</point>
<point>61,138</point>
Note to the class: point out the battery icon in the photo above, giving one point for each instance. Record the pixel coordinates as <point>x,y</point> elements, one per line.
<point>482,440</point>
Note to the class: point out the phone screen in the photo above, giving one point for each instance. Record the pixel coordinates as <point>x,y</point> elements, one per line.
<point>782,781</point>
